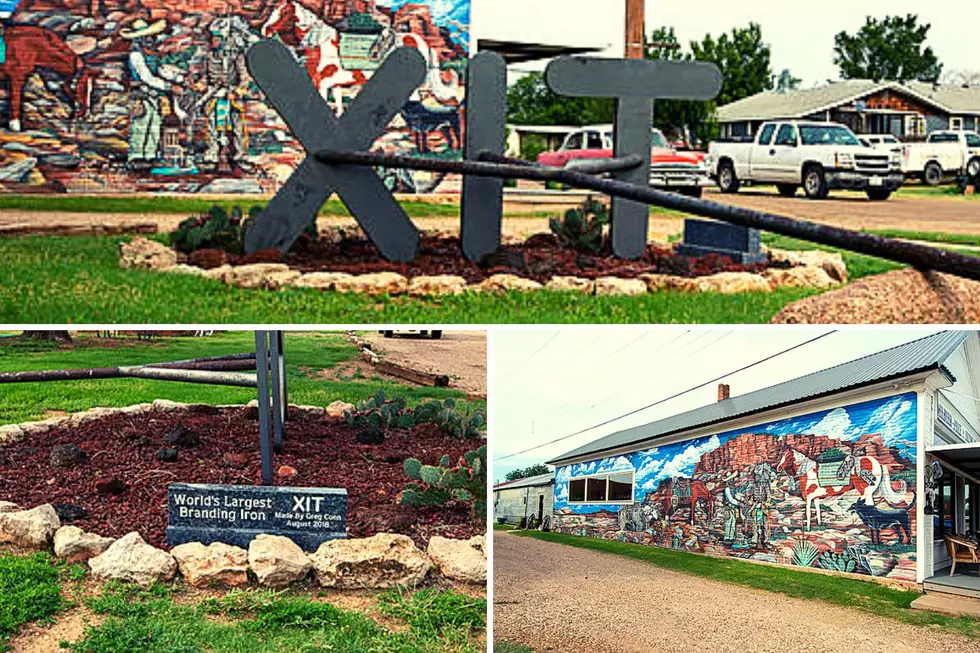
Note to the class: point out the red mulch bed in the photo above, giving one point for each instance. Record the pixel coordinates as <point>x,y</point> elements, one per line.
<point>540,258</point>
<point>124,447</point>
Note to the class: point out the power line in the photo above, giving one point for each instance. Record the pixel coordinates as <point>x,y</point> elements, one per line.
<point>617,391</point>
<point>674,396</point>
<point>531,357</point>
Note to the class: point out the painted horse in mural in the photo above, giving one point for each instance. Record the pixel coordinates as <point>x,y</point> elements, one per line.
<point>317,44</point>
<point>31,49</point>
<point>686,493</point>
<point>863,474</point>
<point>870,476</point>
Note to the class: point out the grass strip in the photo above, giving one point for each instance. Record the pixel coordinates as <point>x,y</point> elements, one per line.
<point>262,621</point>
<point>871,597</point>
<point>29,591</point>
<point>309,359</point>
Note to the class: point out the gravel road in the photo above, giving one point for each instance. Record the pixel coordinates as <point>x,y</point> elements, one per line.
<point>462,355</point>
<point>552,597</point>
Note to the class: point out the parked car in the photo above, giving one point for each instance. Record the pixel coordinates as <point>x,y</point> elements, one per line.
<point>943,154</point>
<point>682,172</point>
<point>434,335</point>
<point>818,156</point>
<point>883,142</point>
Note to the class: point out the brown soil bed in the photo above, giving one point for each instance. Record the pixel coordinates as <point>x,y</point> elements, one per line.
<point>540,258</point>
<point>124,448</point>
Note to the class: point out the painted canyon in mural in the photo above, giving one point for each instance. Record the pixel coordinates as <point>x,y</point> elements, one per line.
<point>154,96</point>
<point>832,490</point>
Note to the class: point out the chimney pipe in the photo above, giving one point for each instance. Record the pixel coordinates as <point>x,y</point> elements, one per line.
<point>724,391</point>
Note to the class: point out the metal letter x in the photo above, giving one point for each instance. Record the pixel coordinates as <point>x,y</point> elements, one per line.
<point>291,91</point>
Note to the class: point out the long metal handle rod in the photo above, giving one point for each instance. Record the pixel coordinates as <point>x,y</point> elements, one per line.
<point>922,257</point>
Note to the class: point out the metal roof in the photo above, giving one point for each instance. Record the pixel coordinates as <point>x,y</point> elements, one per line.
<point>913,357</point>
<point>774,105</point>
<point>543,479</point>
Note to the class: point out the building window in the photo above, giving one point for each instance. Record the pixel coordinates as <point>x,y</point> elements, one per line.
<point>596,492</point>
<point>605,488</point>
<point>956,124</point>
<point>945,521</point>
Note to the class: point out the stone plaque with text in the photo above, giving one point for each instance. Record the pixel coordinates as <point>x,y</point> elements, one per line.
<point>235,514</point>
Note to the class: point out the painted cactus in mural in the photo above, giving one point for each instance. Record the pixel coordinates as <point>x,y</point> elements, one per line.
<point>834,490</point>
<point>148,95</point>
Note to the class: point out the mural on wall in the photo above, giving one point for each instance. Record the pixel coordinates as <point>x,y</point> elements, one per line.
<point>154,96</point>
<point>833,490</point>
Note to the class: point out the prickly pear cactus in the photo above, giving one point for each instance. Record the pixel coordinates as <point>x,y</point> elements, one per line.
<point>465,481</point>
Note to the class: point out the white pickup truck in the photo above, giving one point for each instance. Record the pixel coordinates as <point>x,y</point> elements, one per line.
<point>818,156</point>
<point>944,153</point>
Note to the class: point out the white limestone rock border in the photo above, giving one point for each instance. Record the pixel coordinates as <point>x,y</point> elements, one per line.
<point>382,561</point>
<point>805,269</point>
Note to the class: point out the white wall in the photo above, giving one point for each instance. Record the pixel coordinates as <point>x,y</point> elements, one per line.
<point>965,366</point>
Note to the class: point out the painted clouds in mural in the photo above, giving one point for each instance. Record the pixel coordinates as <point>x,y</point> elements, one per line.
<point>834,490</point>
<point>149,95</point>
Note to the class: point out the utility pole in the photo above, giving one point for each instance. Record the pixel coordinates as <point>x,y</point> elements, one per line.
<point>635,29</point>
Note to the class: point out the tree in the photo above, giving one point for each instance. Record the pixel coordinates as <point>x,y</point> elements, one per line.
<point>891,49</point>
<point>785,82</point>
<point>531,102</point>
<point>61,337</point>
<point>744,60</point>
<point>688,118</point>
<point>533,470</point>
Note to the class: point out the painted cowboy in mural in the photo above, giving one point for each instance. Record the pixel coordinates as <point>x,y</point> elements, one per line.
<point>226,79</point>
<point>148,87</point>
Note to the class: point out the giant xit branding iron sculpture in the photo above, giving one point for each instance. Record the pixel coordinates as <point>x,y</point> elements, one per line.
<point>337,160</point>
<point>634,84</point>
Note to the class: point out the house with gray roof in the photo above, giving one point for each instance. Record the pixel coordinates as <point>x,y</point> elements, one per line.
<point>871,467</point>
<point>908,110</point>
<point>523,499</point>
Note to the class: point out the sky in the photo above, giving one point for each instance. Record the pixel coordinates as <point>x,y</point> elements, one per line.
<point>801,36</point>
<point>546,383</point>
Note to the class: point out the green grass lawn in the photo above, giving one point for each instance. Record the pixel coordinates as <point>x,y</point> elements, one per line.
<point>862,595</point>
<point>77,280</point>
<point>307,354</point>
<point>164,619</point>
<point>30,590</point>
<point>152,621</point>
<point>503,527</point>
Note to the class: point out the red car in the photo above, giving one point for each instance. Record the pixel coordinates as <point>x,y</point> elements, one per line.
<point>682,172</point>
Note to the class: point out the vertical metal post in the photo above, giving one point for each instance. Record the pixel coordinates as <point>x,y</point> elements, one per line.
<point>262,375</point>
<point>278,410</point>
<point>630,220</point>
<point>482,203</point>
<point>282,375</point>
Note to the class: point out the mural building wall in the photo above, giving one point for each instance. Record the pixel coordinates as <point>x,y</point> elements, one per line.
<point>833,490</point>
<point>152,95</point>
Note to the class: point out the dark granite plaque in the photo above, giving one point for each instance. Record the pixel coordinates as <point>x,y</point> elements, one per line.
<point>709,237</point>
<point>235,514</point>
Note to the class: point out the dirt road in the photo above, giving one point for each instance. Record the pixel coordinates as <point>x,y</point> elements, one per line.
<point>462,355</point>
<point>552,597</point>
<point>951,215</point>
<point>904,212</point>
